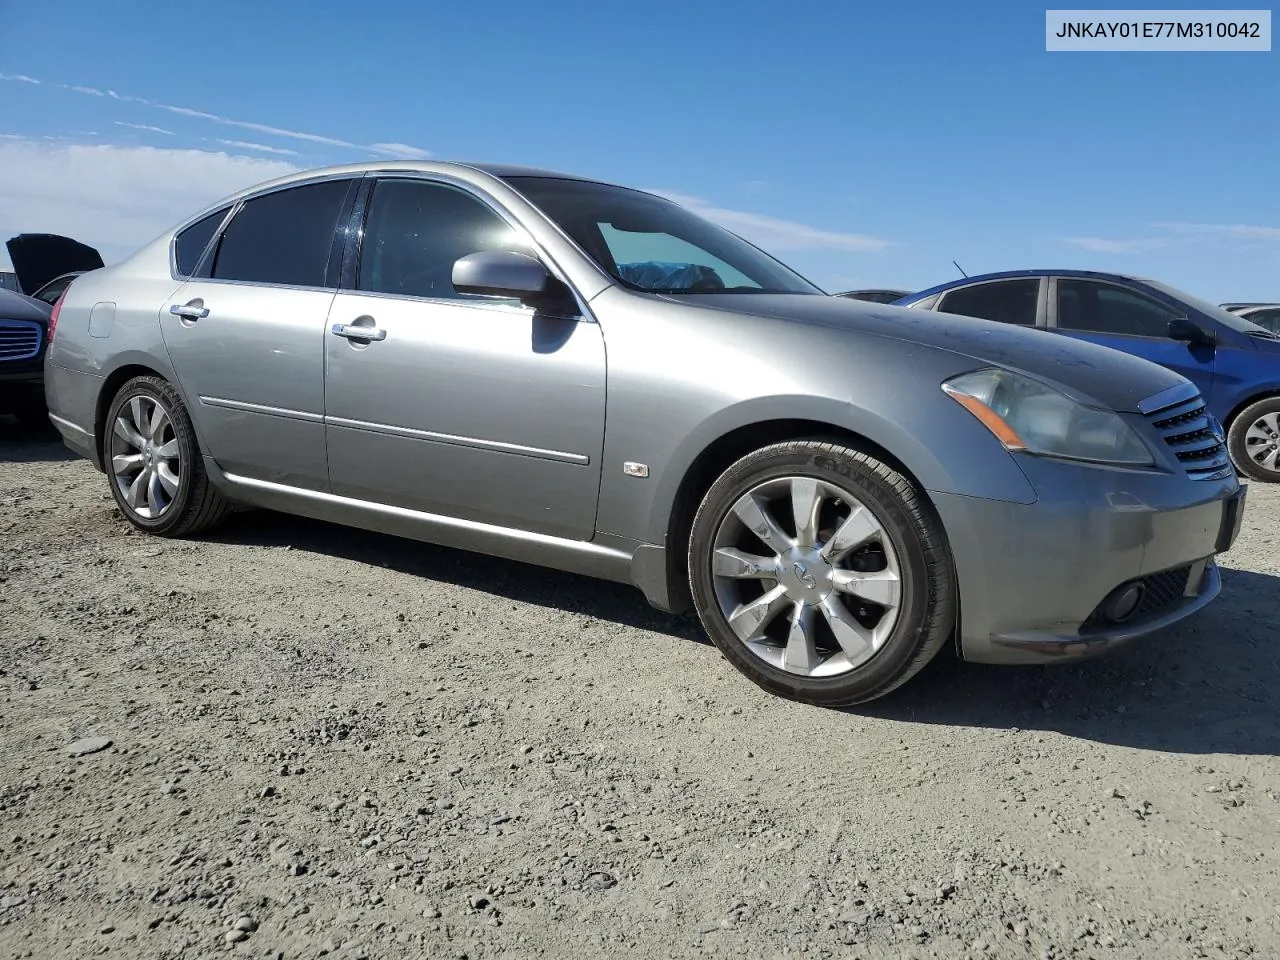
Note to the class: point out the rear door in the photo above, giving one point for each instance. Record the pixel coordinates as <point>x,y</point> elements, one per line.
<point>245,333</point>
<point>1018,301</point>
<point>1125,319</point>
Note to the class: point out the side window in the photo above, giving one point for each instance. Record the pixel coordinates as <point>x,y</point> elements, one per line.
<point>192,241</point>
<point>283,237</point>
<point>928,303</point>
<point>415,232</point>
<point>1267,319</point>
<point>1008,301</point>
<point>1103,308</point>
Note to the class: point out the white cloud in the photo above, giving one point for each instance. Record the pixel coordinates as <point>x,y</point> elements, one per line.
<point>399,151</point>
<point>773,234</point>
<point>1103,245</point>
<point>402,151</point>
<point>1222,231</point>
<point>260,147</point>
<point>116,198</point>
<point>143,126</point>
<point>255,127</point>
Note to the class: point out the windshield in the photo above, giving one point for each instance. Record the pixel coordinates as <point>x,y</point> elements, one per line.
<point>1211,310</point>
<point>651,244</point>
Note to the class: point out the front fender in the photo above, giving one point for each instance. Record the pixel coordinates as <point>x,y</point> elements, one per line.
<point>945,451</point>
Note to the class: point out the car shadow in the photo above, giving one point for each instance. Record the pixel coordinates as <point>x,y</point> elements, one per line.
<point>598,599</point>
<point>1208,685</point>
<point>19,444</point>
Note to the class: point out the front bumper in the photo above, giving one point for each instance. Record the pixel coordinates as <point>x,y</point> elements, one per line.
<point>1033,578</point>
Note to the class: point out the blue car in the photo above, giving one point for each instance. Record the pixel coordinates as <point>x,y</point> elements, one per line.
<point>1235,363</point>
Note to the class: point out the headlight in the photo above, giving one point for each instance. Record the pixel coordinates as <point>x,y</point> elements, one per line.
<point>1028,416</point>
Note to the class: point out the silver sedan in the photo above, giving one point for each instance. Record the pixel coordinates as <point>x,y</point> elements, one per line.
<point>566,372</point>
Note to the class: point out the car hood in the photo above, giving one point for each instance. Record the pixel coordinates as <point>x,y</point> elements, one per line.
<point>39,257</point>
<point>17,306</point>
<point>1107,377</point>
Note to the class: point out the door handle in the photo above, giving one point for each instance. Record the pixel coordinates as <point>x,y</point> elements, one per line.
<point>189,311</point>
<point>358,331</point>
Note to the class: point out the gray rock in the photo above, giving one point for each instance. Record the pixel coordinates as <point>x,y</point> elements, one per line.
<point>600,881</point>
<point>247,924</point>
<point>236,936</point>
<point>88,745</point>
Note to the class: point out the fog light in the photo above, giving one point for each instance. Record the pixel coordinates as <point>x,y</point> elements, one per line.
<point>1122,603</point>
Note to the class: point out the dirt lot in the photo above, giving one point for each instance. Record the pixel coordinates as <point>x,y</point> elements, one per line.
<point>355,746</point>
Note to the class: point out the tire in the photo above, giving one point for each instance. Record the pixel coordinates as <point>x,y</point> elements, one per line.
<point>1256,431</point>
<point>180,501</point>
<point>821,621</point>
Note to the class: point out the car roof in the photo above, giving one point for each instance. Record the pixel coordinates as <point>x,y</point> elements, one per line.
<point>1022,274</point>
<point>458,168</point>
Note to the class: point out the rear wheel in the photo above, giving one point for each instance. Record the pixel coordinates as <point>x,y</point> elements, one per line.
<point>1254,440</point>
<point>157,475</point>
<point>821,573</point>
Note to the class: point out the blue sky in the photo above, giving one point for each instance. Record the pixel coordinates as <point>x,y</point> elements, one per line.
<point>863,146</point>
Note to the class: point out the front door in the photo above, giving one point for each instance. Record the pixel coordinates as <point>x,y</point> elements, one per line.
<point>247,339</point>
<point>466,407</point>
<point>1126,320</point>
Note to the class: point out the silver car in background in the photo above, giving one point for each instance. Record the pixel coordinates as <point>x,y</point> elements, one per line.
<point>580,375</point>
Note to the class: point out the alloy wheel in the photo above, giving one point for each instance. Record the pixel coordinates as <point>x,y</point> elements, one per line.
<point>806,576</point>
<point>146,461</point>
<point>1262,441</point>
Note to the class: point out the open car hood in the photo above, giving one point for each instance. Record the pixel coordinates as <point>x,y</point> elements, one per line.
<point>39,257</point>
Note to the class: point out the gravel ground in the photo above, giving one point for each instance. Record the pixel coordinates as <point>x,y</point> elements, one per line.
<point>324,742</point>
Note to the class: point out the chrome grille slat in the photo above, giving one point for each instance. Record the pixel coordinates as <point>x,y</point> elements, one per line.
<point>20,339</point>
<point>1187,427</point>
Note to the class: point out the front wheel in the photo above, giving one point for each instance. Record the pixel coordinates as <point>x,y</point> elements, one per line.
<point>1254,440</point>
<point>157,475</point>
<point>821,573</point>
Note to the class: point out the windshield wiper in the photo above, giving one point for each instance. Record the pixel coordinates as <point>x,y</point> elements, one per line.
<point>1263,334</point>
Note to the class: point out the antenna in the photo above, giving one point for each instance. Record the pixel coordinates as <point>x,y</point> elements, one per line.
<point>961,269</point>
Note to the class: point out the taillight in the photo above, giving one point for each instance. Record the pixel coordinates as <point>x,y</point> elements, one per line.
<point>57,309</point>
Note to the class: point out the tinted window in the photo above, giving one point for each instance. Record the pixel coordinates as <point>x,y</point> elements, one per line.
<point>417,229</point>
<point>283,237</point>
<point>192,241</point>
<point>1009,301</point>
<point>1103,308</point>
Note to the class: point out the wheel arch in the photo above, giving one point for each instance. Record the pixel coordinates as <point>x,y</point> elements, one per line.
<point>1267,393</point>
<point>727,448</point>
<point>127,368</point>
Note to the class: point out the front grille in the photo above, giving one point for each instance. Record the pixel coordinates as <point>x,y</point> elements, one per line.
<point>1162,590</point>
<point>20,339</point>
<point>1192,433</point>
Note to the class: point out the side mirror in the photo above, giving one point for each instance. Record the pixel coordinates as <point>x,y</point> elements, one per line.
<point>1190,331</point>
<point>501,273</point>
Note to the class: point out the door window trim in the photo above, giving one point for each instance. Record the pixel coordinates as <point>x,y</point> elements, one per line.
<point>353,235</point>
<point>1041,319</point>
<point>205,263</point>
<point>1053,315</point>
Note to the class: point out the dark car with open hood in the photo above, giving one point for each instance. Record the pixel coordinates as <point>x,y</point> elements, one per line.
<point>41,261</point>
